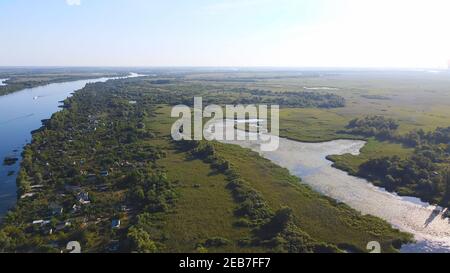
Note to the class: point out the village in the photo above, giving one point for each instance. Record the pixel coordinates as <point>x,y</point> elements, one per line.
<point>76,203</point>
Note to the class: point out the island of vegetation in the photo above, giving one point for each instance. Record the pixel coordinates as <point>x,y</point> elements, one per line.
<point>424,174</point>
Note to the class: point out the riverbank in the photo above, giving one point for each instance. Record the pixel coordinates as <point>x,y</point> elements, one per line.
<point>19,83</point>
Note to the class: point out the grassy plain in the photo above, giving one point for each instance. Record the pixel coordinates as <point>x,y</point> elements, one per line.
<point>373,149</point>
<point>205,208</point>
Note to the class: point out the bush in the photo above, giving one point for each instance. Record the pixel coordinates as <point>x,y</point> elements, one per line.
<point>243,222</point>
<point>277,224</point>
<point>140,241</point>
<point>376,126</point>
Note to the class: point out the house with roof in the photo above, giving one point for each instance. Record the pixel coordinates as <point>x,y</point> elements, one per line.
<point>83,198</point>
<point>115,224</point>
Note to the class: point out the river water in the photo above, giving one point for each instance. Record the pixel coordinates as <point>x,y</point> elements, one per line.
<point>308,161</point>
<point>20,113</point>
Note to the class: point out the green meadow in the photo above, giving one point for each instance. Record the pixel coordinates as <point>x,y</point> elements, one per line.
<point>205,207</point>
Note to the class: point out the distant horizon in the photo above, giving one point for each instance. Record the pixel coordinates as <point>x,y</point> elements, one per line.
<point>379,34</point>
<point>228,67</point>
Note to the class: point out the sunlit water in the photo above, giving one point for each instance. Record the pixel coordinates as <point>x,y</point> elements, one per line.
<point>20,113</point>
<point>308,161</point>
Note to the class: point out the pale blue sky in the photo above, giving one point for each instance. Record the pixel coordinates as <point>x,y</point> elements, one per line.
<point>297,33</point>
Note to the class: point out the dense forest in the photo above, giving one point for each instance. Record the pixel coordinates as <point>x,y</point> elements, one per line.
<point>373,126</point>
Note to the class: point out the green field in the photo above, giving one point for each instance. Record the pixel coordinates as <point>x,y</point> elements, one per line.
<point>320,217</point>
<point>312,125</point>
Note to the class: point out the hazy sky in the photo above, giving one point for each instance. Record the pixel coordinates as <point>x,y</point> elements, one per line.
<point>297,33</point>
